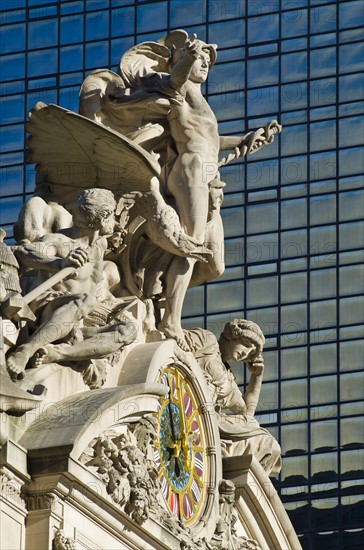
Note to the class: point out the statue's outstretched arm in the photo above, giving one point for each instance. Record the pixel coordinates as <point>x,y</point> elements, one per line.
<point>182,69</point>
<point>249,143</point>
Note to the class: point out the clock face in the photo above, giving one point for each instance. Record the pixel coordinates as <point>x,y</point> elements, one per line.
<point>180,448</point>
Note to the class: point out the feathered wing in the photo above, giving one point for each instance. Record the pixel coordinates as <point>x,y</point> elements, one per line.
<point>77,153</point>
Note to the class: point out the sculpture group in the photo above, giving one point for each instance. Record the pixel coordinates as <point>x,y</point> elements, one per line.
<point>126,210</point>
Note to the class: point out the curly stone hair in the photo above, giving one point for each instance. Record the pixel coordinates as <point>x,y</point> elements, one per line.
<point>242,328</point>
<point>92,206</point>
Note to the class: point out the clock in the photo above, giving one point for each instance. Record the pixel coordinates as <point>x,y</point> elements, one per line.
<point>180,451</point>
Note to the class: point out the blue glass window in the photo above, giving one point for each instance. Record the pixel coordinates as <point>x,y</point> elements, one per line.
<point>294,23</point>
<point>225,106</point>
<point>226,77</point>
<point>225,296</point>
<point>351,131</point>
<point>68,98</point>
<point>230,33</point>
<point>96,5</point>
<point>294,140</point>
<point>97,25</point>
<point>42,33</point>
<point>351,161</point>
<point>152,17</point>
<point>294,96</point>
<point>233,219</point>
<point>293,319</point>
<point>262,291</point>
<point>323,62</point>
<point>70,8</point>
<point>294,243</point>
<point>322,92</point>
<point>97,55</point>
<point>118,47</point>
<point>47,96</point>
<point>322,284</point>
<point>262,72</point>
<point>71,58</point>
<point>351,87</point>
<point>11,180</point>
<point>323,18</point>
<point>262,218</point>
<point>294,169</point>
<point>352,278</point>
<point>42,62</point>
<point>322,209</point>
<point>71,29</point>
<point>122,21</point>
<point>294,289</point>
<point>12,66</point>
<point>351,205</point>
<point>323,357</point>
<point>187,12</point>
<point>320,40</point>
<point>323,135</point>
<point>262,174</point>
<point>263,28</point>
<point>12,109</point>
<point>293,213</point>
<point>294,66</point>
<point>11,138</point>
<point>9,209</point>
<point>351,58</point>
<point>12,16</point>
<point>262,101</point>
<point>12,38</point>
<point>351,14</point>
<point>222,10</point>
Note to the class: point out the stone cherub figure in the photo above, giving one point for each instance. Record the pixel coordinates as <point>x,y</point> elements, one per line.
<point>60,308</point>
<point>241,340</point>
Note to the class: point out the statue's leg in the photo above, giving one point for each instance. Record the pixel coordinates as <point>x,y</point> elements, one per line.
<point>103,342</point>
<point>215,265</point>
<point>177,281</point>
<point>60,317</point>
<point>187,185</point>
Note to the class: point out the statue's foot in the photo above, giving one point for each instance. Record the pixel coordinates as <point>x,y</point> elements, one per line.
<point>45,355</point>
<point>176,333</point>
<point>16,363</point>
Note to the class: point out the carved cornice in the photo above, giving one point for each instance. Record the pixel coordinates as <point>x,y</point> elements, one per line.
<point>11,487</point>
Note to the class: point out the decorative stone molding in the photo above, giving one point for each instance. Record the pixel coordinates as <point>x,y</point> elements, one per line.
<point>11,487</point>
<point>225,536</point>
<point>121,462</point>
<point>41,501</point>
<point>60,542</point>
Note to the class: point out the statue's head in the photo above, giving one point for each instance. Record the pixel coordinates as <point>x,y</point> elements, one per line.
<point>241,340</point>
<point>94,209</point>
<point>176,42</point>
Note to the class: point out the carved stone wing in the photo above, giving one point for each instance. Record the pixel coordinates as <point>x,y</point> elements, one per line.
<point>79,153</point>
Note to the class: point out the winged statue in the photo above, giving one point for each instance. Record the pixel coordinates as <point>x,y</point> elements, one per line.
<point>147,134</point>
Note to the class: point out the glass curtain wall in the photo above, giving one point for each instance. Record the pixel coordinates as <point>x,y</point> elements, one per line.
<point>293,213</point>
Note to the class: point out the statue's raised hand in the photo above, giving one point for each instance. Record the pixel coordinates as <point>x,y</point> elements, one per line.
<point>191,48</point>
<point>256,366</point>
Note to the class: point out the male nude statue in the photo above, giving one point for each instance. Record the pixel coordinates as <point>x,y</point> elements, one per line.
<point>194,178</point>
<point>82,246</point>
